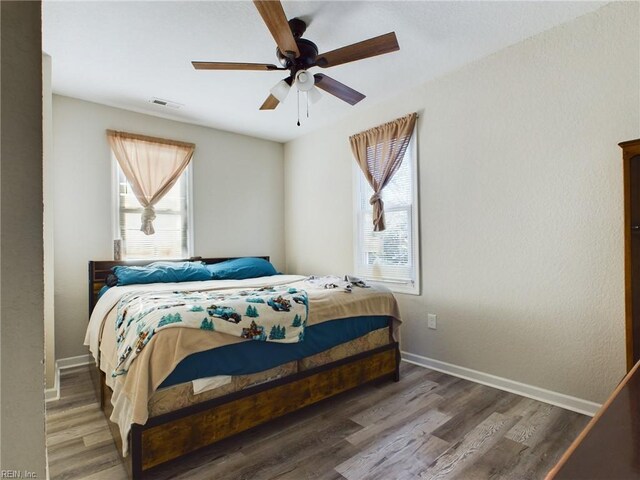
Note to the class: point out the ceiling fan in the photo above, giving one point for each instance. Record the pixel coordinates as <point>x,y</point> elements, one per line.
<point>297,55</point>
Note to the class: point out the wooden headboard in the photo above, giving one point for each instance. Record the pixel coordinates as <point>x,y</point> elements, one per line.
<point>99,269</point>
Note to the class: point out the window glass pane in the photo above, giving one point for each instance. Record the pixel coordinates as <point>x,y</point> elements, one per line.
<point>391,246</point>
<point>170,239</point>
<point>165,243</point>
<point>389,255</point>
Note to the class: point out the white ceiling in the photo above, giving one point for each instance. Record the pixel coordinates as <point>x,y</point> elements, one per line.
<point>124,53</point>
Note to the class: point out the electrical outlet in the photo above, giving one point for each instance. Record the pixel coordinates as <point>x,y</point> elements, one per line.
<point>432,321</point>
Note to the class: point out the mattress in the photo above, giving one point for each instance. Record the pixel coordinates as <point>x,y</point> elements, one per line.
<point>182,395</point>
<point>253,357</point>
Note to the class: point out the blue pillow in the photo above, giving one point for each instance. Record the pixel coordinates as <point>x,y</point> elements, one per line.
<point>162,272</point>
<point>241,268</point>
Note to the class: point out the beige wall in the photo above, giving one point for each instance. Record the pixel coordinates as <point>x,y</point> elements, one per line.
<point>521,205</point>
<point>22,444</point>
<point>237,198</point>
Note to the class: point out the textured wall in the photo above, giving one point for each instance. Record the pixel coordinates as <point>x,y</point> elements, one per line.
<point>237,199</point>
<point>521,205</point>
<point>22,437</point>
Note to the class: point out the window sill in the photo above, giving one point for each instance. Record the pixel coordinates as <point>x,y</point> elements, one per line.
<point>395,287</point>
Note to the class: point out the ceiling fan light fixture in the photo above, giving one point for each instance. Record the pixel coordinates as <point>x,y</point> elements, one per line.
<point>314,95</point>
<point>304,81</point>
<point>280,90</point>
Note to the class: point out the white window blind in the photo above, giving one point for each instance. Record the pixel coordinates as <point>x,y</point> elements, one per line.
<point>391,255</point>
<point>171,237</point>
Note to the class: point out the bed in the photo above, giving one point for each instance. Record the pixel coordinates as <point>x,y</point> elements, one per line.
<point>188,389</point>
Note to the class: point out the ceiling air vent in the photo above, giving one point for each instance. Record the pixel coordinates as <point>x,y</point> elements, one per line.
<point>166,103</point>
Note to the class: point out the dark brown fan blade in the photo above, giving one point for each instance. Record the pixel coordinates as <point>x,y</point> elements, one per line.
<point>273,15</point>
<point>270,103</point>
<point>338,89</point>
<point>368,48</point>
<point>232,66</point>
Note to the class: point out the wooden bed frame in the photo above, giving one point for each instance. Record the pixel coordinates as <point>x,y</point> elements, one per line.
<point>171,436</point>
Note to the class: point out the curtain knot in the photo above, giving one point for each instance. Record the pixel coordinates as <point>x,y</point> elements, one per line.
<point>148,216</point>
<point>378,212</point>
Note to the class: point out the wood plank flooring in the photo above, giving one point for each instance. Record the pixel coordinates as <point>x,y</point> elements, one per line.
<point>427,426</point>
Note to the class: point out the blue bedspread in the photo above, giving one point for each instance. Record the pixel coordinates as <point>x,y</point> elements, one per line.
<point>251,357</point>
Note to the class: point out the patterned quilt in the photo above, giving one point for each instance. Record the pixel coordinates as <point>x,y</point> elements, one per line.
<point>271,314</point>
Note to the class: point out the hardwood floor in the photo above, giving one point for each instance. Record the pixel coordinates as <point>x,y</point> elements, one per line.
<point>427,426</point>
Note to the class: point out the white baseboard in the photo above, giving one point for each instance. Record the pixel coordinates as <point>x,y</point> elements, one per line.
<point>53,393</point>
<point>554,398</point>
<point>71,362</point>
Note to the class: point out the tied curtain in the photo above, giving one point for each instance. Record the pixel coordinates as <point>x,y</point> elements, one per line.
<point>152,166</point>
<point>379,152</point>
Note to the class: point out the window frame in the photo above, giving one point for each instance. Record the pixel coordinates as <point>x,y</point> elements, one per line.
<point>115,211</point>
<point>411,287</point>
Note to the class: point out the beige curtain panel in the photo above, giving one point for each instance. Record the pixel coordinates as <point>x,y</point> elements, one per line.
<point>379,152</point>
<point>152,166</point>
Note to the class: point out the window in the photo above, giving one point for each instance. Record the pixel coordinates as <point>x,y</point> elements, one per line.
<point>172,238</point>
<point>391,256</point>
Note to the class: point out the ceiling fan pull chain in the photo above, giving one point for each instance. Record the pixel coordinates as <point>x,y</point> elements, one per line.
<point>307,97</point>
<point>298,91</point>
